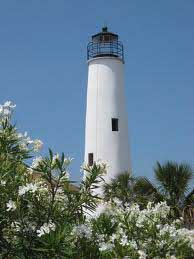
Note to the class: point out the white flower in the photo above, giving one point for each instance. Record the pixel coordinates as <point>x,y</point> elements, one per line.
<point>25,141</point>
<point>36,162</point>
<point>56,157</point>
<point>124,240</point>
<point>177,221</point>
<point>37,145</point>
<point>105,247</point>
<point>33,187</point>
<point>6,110</point>
<point>168,229</point>
<point>149,205</point>
<point>9,104</point>
<point>117,202</point>
<point>84,168</point>
<point>19,135</point>
<point>11,205</point>
<point>3,183</point>
<point>161,209</point>
<point>133,244</point>
<point>173,257</point>
<point>29,170</point>
<point>142,254</point>
<point>102,163</point>
<point>22,190</point>
<point>113,237</point>
<point>61,196</point>
<point>46,228</point>
<point>83,231</point>
<point>67,160</point>
<point>30,187</point>
<point>186,235</point>
<point>43,188</point>
<point>29,141</point>
<point>16,226</point>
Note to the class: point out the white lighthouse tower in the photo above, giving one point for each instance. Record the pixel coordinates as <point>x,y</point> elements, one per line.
<point>106,130</point>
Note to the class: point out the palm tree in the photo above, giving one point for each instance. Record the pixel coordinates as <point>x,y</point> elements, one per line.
<point>172,185</point>
<point>121,187</point>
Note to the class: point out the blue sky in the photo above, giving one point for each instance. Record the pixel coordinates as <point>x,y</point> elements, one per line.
<point>43,70</point>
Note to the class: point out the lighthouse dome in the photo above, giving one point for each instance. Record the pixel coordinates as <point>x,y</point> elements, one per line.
<point>105,43</point>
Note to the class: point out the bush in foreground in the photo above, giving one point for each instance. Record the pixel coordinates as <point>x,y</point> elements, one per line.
<point>43,215</point>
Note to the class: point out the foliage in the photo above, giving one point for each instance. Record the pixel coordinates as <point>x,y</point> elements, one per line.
<point>44,215</point>
<point>121,187</point>
<point>38,203</point>
<point>172,185</point>
<point>130,232</point>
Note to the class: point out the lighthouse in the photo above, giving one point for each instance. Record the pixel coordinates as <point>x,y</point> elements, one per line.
<point>106,128</point>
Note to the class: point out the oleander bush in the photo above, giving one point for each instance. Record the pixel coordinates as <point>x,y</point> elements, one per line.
<point>43,214</point>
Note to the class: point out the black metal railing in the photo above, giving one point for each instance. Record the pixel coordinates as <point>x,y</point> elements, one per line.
<point>101,49</point>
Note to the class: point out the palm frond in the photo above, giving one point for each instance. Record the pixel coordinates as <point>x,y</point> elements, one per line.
<point>173,180</point>
<point>145,189</point>
<point>120,187</point>
<point>144,186</point>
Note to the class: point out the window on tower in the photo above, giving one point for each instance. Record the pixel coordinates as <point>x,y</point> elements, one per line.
<point>90,159</point>
<point>115,124</point>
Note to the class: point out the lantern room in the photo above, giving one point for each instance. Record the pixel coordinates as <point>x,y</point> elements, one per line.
<point>104,44</point>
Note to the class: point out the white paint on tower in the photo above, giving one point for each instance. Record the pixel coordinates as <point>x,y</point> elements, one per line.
<point>106,131</point>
